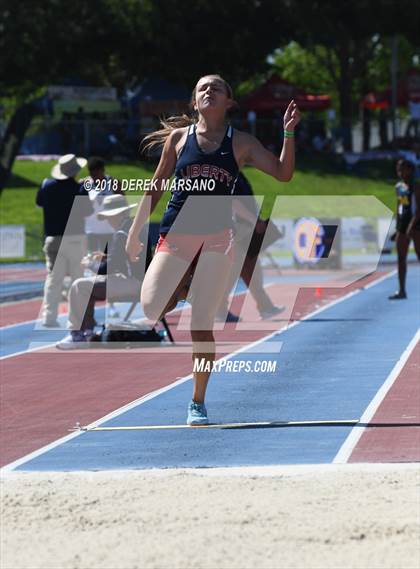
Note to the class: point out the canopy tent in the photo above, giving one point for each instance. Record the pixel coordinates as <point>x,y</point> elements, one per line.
<point>408,89</point>
<point>276,93</point>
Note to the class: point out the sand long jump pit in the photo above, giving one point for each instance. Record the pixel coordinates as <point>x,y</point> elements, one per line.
<point>351,516</point>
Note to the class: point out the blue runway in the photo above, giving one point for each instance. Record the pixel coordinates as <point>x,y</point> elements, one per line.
<point>20,290</point>
<point>330,367</point>
<point>13,287</point>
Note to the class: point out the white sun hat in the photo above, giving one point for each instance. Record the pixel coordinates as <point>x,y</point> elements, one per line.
<point>114,205</point>
<point>68,166</point>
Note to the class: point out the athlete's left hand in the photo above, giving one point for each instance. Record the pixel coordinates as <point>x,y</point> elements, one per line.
<point>291,116</point>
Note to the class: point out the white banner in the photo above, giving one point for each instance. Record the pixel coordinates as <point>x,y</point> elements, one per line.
<point>12,241</point>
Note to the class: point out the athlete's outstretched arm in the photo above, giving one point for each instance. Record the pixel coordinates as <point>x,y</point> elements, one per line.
<point>151,198</point>
<point>281,168</point>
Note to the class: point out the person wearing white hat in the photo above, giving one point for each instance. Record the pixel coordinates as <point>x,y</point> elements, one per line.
<point>118,277</point>
<point>68,166</point>
<point>64,229</point>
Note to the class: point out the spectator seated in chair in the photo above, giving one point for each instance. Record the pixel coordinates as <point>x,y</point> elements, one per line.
<point>118,278</point>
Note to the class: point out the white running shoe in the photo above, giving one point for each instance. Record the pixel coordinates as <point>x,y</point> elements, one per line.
<point>74,341</point>
<point>273,311</point>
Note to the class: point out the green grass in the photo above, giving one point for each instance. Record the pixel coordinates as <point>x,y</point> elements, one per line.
<point>320,176</point>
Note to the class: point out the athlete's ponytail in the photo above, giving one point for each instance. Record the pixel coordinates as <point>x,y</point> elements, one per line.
<point>157,139</point>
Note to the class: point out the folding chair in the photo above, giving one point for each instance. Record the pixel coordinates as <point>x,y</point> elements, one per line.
<point>163,320</point>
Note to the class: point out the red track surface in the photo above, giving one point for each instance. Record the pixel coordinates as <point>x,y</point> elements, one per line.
<point>401,405</point>
<point>44,393</point>
<point>26,310</point>
<point>22,274</point>
<point>16,312</point>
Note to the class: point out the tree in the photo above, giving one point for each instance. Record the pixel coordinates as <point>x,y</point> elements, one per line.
<point>113,41</point>
<point>43,43</point>
<point>343,37</point>
<point>305,67</point>
<point>119,42</point>
<point>187,39</point>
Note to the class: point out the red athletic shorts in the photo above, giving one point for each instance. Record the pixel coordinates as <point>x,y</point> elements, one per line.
<point>189,246</point>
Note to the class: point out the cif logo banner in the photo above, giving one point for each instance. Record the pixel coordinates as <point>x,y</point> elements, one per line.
<point>308,240</point>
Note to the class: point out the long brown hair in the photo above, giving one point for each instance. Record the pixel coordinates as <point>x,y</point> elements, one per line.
<point>157,139</point>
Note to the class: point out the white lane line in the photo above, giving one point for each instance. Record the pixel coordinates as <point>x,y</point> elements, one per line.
<point>153,394</point>
<point>379,280</point>
<point>351,441</point>
<point>26,322</point>
<point>29,350</point>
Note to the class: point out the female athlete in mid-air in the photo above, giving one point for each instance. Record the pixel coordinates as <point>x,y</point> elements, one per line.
<point>206,148</point>
<point>408,221</point>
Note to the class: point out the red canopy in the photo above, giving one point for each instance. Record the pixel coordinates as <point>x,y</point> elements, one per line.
<point>408,89</point>
<point>276,94</point>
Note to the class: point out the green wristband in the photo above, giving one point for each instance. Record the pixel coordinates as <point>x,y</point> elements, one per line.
<point>289,133</point>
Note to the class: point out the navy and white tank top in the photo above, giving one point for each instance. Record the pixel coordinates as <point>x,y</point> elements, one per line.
<point>207,175</point>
